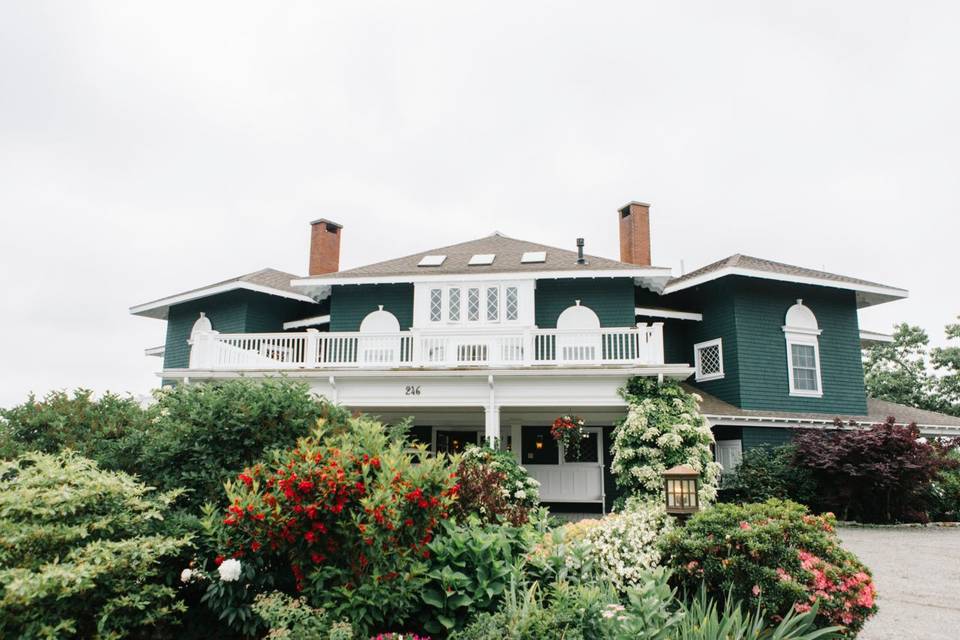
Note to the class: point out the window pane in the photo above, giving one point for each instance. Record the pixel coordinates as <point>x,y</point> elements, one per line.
<point>493,304</point>
<point>710,360</point>
<point>473,304</point>
<point>538,446</point>
<point>436,304</point>
<point>453,304</point>
<point>804,367</point>
<point>512,304</point>
<point>803,356</point>
<point>588,450</point>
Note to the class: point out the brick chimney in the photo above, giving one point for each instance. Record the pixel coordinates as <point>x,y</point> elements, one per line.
<point>635,233</point>
<point>324,247</point>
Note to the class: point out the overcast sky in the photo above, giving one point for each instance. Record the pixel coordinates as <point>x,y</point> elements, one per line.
<point>144,152</point>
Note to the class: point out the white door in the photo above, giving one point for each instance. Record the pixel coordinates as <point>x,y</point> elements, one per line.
<point>729,454</point>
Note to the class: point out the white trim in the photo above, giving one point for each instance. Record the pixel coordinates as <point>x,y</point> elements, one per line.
<point>881,290</point>
<point>650,312</point>
<point>506,275</point>
<point>307,322</point>
<point>864,422</point>
<point>868,337</point>
<point>716,342</point>
<point>808,341</point>
<point>164,303</point>
<point>155,351</point>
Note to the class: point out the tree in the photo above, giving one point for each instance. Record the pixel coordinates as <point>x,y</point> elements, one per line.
<point>946,360</point>
<point>899,371</point>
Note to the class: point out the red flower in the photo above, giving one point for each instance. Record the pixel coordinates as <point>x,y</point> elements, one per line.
<point>255,546</point>
<point>309,536</point>
<point>306,486</point>
<point>247,480</point>
<point>218,560</point>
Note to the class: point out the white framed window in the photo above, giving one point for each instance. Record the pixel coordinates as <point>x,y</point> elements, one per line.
<point>453,304</point>
<point>512,302</point>
<point>802,334</point>
<point>708,359</point>
<point>436,305</point>
<point>473,304</point>
<point>493,304</point>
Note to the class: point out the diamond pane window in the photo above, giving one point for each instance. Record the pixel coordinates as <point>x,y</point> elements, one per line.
<point>493,304</point>
<point>436,304</point>
<point>513,304</point>
<point>804,367</point>
<point>453,304</point>
<point>708,357</point>
<point>473,304</point>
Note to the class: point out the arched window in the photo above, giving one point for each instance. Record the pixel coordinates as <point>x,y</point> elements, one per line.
<point>380,347</point>
<point>578,334</point>
<point>802,334</point>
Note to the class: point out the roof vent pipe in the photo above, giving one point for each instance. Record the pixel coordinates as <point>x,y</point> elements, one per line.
<point>580,258</point>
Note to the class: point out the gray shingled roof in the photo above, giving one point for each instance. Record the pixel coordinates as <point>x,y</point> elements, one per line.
<point>759,264</point>
<point>508,253</point>
<point>877,411</point>
<point>272,278</point>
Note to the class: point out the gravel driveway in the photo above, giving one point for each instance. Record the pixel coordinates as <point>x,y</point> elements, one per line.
<point>917,572</point>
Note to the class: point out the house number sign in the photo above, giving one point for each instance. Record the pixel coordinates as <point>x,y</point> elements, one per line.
<point>411,390</point>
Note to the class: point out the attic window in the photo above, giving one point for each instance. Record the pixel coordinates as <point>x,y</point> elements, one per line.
<point>708,359</point>
<point>534,256</point>
<point>482,259</point>
<point>431,261</point>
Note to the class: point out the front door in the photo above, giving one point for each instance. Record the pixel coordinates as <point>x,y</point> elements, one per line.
<point>455,441</point>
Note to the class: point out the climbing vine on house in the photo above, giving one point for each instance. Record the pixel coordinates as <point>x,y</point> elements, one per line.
<point>663,428</point>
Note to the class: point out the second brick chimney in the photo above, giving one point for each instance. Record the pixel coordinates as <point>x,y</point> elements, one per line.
<point>324,247</point>
<point>635,233</point>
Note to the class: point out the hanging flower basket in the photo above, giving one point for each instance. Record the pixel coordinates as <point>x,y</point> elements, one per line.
<point>568,430</point>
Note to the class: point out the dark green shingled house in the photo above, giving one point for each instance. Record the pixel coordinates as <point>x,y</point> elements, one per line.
<point>496,337</point>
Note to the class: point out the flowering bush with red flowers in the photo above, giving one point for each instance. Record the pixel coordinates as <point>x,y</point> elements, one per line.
<point>568,430</point>
<point>343,520</point>
<point>775,555</point>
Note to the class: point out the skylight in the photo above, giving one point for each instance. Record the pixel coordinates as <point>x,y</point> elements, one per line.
<point>534,256</point>
<point>482,258</point>
<point>431,261</point>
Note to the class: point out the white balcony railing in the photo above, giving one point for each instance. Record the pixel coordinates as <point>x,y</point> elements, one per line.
<point>640,345</point>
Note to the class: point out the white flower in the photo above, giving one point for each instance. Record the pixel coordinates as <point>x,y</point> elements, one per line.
<point>229,570</point>
<point>519,494</point>
<point>186,575</point>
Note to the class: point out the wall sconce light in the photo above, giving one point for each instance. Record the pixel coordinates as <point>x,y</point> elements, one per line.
<point>680,485</point>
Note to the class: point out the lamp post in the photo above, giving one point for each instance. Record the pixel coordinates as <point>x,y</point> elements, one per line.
<point>680,486</point>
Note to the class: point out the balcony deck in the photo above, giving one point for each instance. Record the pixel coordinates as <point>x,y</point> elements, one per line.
<point>428,349</point>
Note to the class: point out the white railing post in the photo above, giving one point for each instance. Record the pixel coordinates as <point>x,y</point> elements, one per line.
<point>203,349</point>
<point>416,349</point>
<point>656,343</point>
<point>311,351</point>
<point>643,344</point>
<point>527,347</point>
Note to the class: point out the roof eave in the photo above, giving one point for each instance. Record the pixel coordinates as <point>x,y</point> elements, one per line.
<point>867,294</point>
<point>160,308</point>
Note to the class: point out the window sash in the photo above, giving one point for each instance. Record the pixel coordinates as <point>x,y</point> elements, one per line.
<point>493,304</point>
<point>512,303</point>
<point>473,304</point>
<point>453,304</point>
<point>804,365</point>
<point>436,305</point>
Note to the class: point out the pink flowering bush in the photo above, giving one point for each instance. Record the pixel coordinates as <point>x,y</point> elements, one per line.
<point>775,555</point>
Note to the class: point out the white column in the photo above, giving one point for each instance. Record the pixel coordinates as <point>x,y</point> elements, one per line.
<point>311,354</point>
<point>515,436</point>
<point>656,343</point>
<point>491,415</point>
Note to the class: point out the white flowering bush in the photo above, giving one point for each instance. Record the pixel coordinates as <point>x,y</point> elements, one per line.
<point>663,428</point>
<point>494,487</point>
<point>229,570</point>
<point>619,549</point>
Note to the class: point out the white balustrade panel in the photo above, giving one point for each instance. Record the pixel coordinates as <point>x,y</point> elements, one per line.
<point>641,345</point>
<point>568,482</point>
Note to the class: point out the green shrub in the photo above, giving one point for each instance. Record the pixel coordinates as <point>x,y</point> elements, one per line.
<point>293,619</point>
<point>769,472</point>
<point>618,549</point>
<point>204,434</point>
<point>344,518</point>
<point>774,555</point>
<point>494,487</point>
<point>945,493</point>
<point>649,611</point>
<point>663,428</point>
<point>102,430</point>
<point>80,551</point>
<point>469,568</point>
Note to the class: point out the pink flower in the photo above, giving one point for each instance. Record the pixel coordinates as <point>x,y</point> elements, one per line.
<point>745,526</point>
<point>801,607</point>
<point>756,590</point>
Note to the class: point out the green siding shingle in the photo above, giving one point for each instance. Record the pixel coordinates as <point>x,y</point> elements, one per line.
<point>232,312</point>
<point>610,298</point>
<point>350,304</point>
<point>754,437</point>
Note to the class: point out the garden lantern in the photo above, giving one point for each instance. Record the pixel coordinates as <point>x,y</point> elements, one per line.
<point>680,486</point>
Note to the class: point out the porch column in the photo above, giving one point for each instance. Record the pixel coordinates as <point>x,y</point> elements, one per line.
<point>491,415</point>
